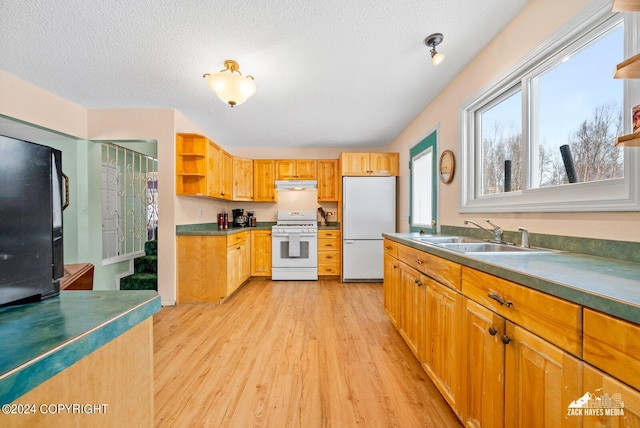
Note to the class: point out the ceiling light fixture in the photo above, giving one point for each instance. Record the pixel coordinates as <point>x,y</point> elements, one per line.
<point>229,84</point>
<point>432,41</point>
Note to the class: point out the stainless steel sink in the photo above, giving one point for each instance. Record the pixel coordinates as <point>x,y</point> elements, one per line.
<point>436,240</point>
<point>488,247</point>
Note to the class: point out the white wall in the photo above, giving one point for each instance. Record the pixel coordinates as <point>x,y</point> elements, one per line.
<point>537,21</point>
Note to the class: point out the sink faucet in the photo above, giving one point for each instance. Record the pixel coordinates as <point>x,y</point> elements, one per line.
<point>525,237</point>
<point>496,232</point>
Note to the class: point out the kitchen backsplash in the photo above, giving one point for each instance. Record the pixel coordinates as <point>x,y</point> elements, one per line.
<point>287,200</point>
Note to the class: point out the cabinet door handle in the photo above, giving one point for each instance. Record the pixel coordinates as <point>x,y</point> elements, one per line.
<point>329,257</point>
<point>417,281</point>
<point>506,339</point>
<point>495,296</point>
<point>493,331</point>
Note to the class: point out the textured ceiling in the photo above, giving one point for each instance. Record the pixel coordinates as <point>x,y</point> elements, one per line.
<point>328,73</point>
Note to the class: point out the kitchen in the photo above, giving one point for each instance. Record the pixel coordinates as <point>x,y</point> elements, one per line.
<point>529,29</point>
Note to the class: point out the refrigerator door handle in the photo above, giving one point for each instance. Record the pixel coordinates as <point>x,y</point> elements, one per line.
<point>349,241</point>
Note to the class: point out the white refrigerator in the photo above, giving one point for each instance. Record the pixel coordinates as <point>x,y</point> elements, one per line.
<point>368,210</point>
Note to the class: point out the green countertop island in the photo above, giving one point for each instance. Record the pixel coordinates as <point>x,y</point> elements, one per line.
<point>44,347</point>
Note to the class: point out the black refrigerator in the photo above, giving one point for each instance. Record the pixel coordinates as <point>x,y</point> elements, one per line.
<point>31,242</point>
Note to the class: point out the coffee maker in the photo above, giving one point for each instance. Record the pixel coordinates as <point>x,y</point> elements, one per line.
<point>239,219</point>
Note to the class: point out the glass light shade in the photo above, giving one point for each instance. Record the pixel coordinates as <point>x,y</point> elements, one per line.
<point>437,58</point>
<point>231,88</point>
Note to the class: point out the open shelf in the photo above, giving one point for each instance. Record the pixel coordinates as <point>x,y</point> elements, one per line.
<point>630,140</point>
<point>626,6</point>
<point>628,69</point>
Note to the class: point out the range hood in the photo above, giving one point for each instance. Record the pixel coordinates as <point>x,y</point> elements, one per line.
<point>296,184</point>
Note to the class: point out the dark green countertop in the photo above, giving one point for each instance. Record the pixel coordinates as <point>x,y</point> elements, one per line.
<point>608,285</point>
<point>39,340</point>
<point>212,228</point>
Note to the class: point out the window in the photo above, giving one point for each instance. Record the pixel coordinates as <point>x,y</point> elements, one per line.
<point>500,136</point>
<point>543,138</point>
<point>129,202</point>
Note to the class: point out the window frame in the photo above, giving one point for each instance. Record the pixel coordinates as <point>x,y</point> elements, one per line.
<point>429,142</point>
<point>606,195</point>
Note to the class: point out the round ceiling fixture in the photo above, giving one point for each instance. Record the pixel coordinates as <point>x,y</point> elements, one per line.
<point>229,85</point>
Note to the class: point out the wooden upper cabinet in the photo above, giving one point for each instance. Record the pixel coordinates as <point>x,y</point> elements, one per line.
<point>219,172</point>
<point>214,163</point>
<point>264,188</point>
<point>300,169</point>
<point>191,165</point>
<point>369,164</point>
<point>354,164</point>
<point>242,179</point>
<point>328,180</point>
<point>227,176</point>
<point>385,164</point>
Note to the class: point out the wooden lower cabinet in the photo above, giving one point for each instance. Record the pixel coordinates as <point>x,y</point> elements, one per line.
<point>600,385</point>
<point>210,268</point>
<point>238,260</point>
<point>391,288</point>
<point>329,252</point>
<point>612,345</point>
<point>519,364</point>
<point>441,357</point>
<point>430,315</point>
<point>513,377</point>
<point>413,306</point>
<point>541,380</point>
<point>260,253</point>
<point>482,363</point>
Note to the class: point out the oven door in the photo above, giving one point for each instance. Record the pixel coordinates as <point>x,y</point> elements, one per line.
<point>284,253</point>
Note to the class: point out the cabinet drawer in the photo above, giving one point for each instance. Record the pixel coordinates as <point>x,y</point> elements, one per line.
<point>442,270</point>
<point>329,256</point>
<point>391,248</point>
<point>554,319</point>
<point>237,238</point>
<point>328,269</point>
<point>612,345</point>
<point>327,234</point>
<point>328,244</point>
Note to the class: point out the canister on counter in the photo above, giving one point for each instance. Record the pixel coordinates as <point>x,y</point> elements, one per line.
<point>226,221</point>
<point>220,221</point>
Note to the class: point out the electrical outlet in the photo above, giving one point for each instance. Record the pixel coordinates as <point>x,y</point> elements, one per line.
<point>200,212</point>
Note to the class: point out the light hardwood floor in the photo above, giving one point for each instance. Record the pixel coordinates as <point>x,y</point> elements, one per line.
<point>290,354</point>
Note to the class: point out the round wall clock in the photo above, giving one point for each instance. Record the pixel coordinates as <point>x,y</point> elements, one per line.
<point>447,166</point>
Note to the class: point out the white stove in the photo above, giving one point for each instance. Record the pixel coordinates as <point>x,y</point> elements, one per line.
<point>294,246</point>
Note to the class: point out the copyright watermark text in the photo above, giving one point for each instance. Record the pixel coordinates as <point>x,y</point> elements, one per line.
<point>55,409</point>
